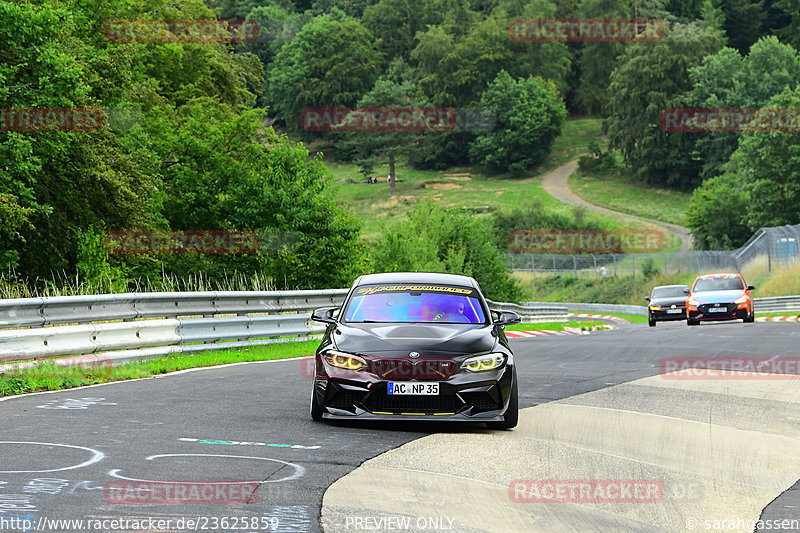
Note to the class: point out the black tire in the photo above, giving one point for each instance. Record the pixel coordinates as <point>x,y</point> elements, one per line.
<point>651,322</point>
<point>692,322</point>
<point>316,408</point>
<point>511,416</point>
<point>749,319</point>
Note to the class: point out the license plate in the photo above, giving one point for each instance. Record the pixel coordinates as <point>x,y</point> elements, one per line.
<point>717,309</point>
<point>413,388</point>
<point>672,311</point>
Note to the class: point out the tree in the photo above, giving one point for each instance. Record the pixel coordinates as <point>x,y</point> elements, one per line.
<point>434,239</point>
<point>768,162</point>
<point>332,62</point>
<point>716,213</point>
<point>396,23</point>
<point>789,31</point>
<point>529,115</point>
<point>374,147</point>
<point>596,61</point>
<point>714,16</point>
<point>744,20</point>
<point>52,180</point>
<point>455,70</point>
<point>652,77</point>
<point>726,80</point>
<point>277,25</point>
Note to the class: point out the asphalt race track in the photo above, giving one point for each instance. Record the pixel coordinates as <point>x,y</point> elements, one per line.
<point>721,450</point>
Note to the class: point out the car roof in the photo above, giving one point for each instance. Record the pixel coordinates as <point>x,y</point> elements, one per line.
<point>720,275</point>
<point>669,286</point>
<point>416,277</point>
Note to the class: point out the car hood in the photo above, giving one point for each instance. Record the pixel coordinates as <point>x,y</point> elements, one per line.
<point>717,297</point>
<point>672,300</point>
<point>427,339</point>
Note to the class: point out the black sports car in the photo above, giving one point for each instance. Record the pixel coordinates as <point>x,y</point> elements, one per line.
<point>667,302</point>
<point>415,346</point>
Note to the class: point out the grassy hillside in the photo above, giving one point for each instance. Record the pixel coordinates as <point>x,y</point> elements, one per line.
<point>622,193</point>
<point>466,188</point>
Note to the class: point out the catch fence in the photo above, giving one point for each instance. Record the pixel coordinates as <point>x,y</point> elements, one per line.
<point>775,246</point>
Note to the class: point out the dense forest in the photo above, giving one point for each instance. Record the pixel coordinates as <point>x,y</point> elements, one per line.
<point>208,135</point>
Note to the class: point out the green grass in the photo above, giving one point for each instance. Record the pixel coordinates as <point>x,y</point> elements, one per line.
<point>573,141</point>
<point>611,290</point>
<point>622,194</point>
<point>633,319</point>
<point>466,187</point>
<point>553,326</point>
<point>48,376</point>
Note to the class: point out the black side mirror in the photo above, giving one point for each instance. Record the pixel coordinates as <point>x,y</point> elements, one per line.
<point>687,290</point>
<point>324,314</point>
<point>751,287</point>
<point>647,298</point>
<point>501,318</point>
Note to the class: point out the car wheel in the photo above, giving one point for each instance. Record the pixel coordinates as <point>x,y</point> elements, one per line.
<point>692,322</point>
<point>316,408</point>
<point>511,416</point>
<point>651,322</point>
<point>751,318</point>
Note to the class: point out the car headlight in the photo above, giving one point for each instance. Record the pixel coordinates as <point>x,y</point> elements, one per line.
<point>481,363</point>
<point>742,299</point>
<point>345,360</point>
<point>692,302</point>
<point>655,308</point>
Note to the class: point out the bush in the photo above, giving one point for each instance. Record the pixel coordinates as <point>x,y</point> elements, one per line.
<point>529,115</point>
<point>649,269</point>
<point>717,213</point>
<point>599,162</point>
<point>434,239</point>
<point>535,216</point>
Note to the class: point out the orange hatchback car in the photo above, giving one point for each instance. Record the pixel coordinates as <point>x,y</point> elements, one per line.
<point>719,297</point>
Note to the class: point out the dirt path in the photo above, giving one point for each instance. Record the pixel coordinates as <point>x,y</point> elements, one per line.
<point>556,184</point>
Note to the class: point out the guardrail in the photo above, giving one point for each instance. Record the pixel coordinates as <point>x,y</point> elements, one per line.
<point>777,303</point>
<point>764,305</point>
<point>536,312</point>
<point>603,309</point>
<point>117,328</point>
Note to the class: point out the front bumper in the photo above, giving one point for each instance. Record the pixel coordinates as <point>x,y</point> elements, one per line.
<point>731,311</point>
<point>464,396</point>
<point>662,315</point>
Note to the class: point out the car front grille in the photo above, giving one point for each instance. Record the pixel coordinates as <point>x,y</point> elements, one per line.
<point>729,308</point>
<point>380,401</point>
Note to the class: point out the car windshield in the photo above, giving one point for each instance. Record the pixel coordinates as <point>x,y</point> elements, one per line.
<point>668,292</point>
<point>718,284</point>
<point>415,303</point>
